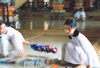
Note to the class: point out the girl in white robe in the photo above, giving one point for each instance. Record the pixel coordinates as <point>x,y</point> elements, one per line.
<point>11,39</point>
<point>80,14</point>
<point>79,50</point>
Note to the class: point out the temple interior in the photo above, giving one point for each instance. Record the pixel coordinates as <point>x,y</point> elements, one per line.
<point>42,22</point>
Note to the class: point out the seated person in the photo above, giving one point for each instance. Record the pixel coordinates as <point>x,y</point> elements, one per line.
<point>80,14</point>
<point>79,51</point>
<point>11,39</point>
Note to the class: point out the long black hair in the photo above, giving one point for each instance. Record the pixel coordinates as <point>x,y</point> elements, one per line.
<point>70,22</point>
<point>81,8</point>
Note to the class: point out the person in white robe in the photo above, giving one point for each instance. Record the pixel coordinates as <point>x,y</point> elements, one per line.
<point>11,39</point>
<point>79,50</point>
<point>80,14</point>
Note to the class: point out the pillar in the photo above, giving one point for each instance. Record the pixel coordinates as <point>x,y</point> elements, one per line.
<point>78,4</point>
<point>58,11</point>
<point>91,3</point>
<point>8,17</point>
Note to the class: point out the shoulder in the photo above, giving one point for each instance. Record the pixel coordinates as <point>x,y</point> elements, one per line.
<point>83,12</point>
<point>11,29</point>
<point>82,37</point>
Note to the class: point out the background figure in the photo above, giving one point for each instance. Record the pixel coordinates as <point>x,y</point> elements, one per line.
<point>80,14</point>
<point>17,25</point>
<point>11,39</point>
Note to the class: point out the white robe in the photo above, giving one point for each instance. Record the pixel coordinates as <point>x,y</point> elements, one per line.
<point>81,51</point>
<point>12,40</point>
<point>80,14</point>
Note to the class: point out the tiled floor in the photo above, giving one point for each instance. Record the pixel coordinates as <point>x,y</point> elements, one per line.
<point>37,27</point>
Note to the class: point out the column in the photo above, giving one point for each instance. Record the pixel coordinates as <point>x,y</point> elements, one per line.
<point>78,4</point>
<point>58,11</point>
<point>7,7</point>
<point>91,4</point>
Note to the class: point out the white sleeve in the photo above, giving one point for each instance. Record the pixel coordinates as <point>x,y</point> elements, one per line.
<point>85,46</point>
<point>76,14</point>
<point>20,35</point>
<point>83,14</point>
<point>16,32</point>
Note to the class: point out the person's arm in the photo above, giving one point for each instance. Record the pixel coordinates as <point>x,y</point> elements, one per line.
<point>75,15</point>
<point>84,14</point>
<point>85,46</point>
<point>21,37</point>
<point>85,49</point>
<point>26,42</point>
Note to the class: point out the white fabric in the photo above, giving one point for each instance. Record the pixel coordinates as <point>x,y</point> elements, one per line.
<point>74,54</point>
<point>80,14</point>
<point>81,51</point>
<point>12,40</point>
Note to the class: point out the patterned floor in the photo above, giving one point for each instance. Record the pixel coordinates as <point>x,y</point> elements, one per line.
<point>97,47</point>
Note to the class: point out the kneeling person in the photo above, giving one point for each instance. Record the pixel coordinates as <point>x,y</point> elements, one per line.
<point>79,50</point>
<point>11,39</point>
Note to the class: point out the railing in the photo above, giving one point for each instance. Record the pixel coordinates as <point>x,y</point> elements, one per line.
<point>36,6</point>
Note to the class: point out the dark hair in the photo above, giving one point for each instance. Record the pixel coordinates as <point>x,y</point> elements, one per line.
<point>81,8</point>
<point>70,22</point>
<point>1,22</point>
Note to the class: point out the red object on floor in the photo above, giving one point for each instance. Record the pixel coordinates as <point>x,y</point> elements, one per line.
<point>55,66</point>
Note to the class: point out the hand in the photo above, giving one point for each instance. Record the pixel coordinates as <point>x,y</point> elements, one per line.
<point>26,42</point>
<point>81,66</point>
<point>89,66</point>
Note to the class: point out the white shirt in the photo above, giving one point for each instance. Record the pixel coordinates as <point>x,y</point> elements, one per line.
<point>11,31</point>
<point>81,44</point>
<point>14,38</point>
<point>80,14</point>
